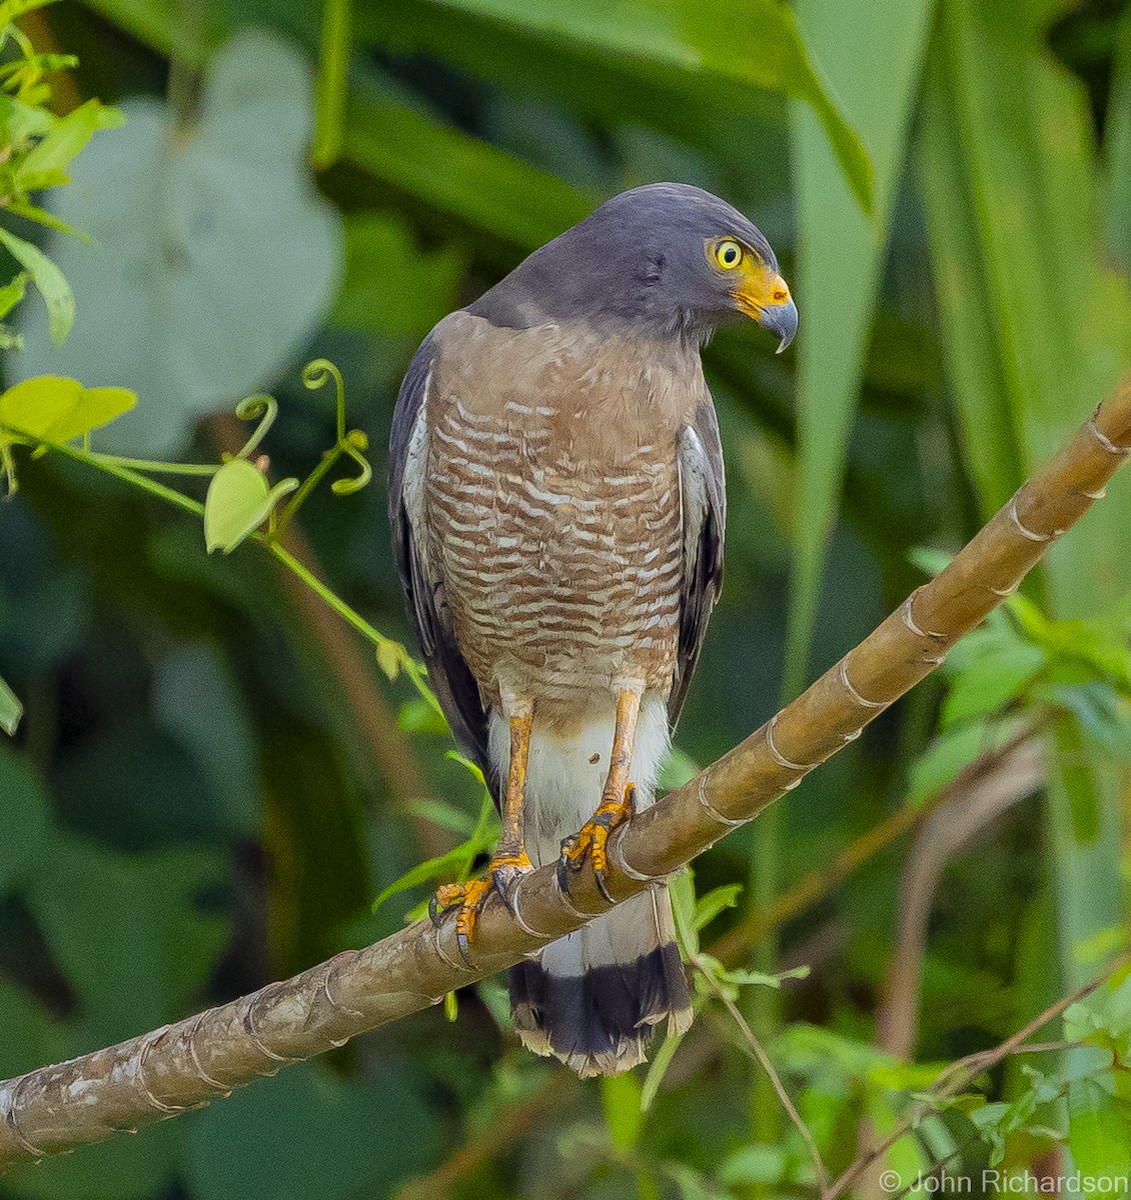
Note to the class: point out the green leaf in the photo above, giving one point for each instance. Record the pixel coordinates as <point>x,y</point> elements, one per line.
<point>708,907</point>
<point>73,410</point>
<point>753,1164</point>
<point>755,41</point>
<point>239,500</point>
<point>42,217</point>
<point>45,164</point>
<point>128,931</point>
<point>12,293</point>
<point>743,978</point>
<point>677,769</point>
<point>681,889</point>
<point>657,1069</point>
<point>418,716</point>
<point>991,680</point>
<point>872,51</point>
<point>410,292</point>
<point>57,409</point>
<point>11,9</point>
<point>487,187</point>
<point>192,311</point>
<point>10,708</point>
<point>456,862</point>
<point>620,1102</point>
<point>330,1137</point>
<point>1098,1136</point>
<point>50,281</point>
<point>389,656</point>
<point>954,750</point>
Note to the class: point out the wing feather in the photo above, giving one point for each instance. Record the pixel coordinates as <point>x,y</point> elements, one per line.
<point>448,672</point>
<point>703,505</point>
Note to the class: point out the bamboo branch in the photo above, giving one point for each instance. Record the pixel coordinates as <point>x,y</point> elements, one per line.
<point>185,1065</point>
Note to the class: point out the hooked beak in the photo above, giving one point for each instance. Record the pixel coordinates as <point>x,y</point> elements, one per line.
<point>764,297</point>
<point>782,320</point>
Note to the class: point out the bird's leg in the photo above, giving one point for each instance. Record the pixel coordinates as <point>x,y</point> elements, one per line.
<point>510,859</point>
<point>616,799</point>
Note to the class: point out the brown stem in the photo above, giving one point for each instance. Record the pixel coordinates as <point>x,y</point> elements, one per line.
<point>199,1059</point>
<point>767,1066</point>
<point>963,1071</point>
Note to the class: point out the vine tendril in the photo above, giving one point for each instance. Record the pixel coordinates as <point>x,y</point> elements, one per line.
<point>262,408</point>
<point>315,374</point>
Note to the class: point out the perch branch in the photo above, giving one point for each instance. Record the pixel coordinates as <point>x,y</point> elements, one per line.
<point>182,1066</point>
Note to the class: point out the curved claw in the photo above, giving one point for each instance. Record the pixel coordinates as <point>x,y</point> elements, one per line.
<point>590,842</point>
<point>473,895</point>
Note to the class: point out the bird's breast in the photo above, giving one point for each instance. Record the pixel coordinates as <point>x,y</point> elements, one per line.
<point>557,546</point>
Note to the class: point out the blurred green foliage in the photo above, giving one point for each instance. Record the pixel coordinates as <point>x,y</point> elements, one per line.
<point>214,777</point>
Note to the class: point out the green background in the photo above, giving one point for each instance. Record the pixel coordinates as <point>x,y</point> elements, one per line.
<point>210,785</point>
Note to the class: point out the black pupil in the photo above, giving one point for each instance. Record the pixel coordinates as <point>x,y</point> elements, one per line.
<point>730,254</point>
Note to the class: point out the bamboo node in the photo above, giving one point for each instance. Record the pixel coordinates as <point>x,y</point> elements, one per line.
<point>864,703</point>
<point>908,619</point>
<point>568,904</point>
<point>1098,494</point>
<point>439,947</point>
<point>780,758</point>
<point>711,810</point>
<point>337,1005</point>
<point>1105,441</point>
<point>221,1089</point>
<point>614,851</point>
<point>146,1046</point>
<point>1024,530</point>
<point>1009,588</point>
<point>10,1120</point>
<point>516,912</point>
<point>253,1033</point>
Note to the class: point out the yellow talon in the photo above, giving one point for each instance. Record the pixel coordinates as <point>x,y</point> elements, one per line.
<point>471,896</point>
<point>592,839</point>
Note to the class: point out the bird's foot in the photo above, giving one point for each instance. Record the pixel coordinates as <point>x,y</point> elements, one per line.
<point>502,872</point>
<point>591,840</point>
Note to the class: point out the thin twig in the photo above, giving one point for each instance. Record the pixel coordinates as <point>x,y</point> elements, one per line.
<point>965,1070</point>
<point>763,1058</point>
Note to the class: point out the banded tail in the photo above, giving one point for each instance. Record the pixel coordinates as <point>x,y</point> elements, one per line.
<point>593,998</point>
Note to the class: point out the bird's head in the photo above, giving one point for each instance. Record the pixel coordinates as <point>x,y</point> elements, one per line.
<point>663,259</point>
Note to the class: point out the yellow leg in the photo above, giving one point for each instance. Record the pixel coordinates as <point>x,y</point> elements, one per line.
<point>616,800</point>
<point>510,859</point>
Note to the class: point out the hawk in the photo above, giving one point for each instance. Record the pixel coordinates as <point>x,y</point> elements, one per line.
<point>557,505</point>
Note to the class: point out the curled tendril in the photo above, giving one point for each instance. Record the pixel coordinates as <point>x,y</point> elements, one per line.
<point>253,409</point>
<point>346,487</point>
<point>315,374</point>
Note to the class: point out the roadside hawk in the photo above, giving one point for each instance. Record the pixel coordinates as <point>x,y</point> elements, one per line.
<point>557,504</point>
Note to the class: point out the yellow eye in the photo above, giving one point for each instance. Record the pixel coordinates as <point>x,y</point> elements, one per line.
<point>728,254</point>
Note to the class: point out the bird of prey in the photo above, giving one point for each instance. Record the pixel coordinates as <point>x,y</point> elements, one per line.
<point>557,505</point>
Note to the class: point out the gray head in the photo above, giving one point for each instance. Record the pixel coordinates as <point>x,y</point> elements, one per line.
<point>664,260</point>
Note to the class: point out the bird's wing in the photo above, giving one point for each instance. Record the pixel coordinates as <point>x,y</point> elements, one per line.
<point>703,500</point>
<point>448,673</point>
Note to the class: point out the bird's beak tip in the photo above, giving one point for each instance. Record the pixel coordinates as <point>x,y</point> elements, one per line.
<point>782,320</point>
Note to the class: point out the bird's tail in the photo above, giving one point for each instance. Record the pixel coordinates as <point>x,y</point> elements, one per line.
<point>593,997</point>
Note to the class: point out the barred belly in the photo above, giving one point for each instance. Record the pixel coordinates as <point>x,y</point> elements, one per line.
<point>562,572</point>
